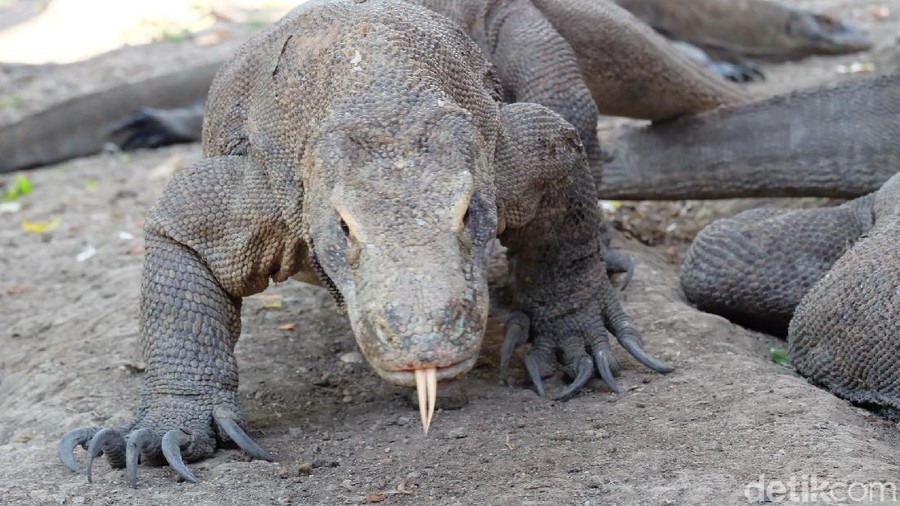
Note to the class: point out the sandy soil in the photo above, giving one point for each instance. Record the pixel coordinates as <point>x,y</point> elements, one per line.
<point>726,419</point>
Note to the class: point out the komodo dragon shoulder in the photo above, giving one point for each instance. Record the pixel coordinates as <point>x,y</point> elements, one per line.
<point>829,277</point>
<point>366,143</point>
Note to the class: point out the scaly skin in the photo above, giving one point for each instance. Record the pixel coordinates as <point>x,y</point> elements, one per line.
<point>833,273</point>
<point>366,144</point>
<point>755,267</point>
<point>844,332</point>
<point>756,29</point>
<point>832,141</point>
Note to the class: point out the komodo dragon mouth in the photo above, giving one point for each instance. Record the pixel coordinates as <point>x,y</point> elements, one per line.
<point>425,381</point>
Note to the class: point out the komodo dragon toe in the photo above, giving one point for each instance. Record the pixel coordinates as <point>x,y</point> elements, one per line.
<point>179,431</point>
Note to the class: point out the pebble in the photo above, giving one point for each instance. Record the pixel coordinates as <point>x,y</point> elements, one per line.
<point>457,433</point>
<point>352,357</point>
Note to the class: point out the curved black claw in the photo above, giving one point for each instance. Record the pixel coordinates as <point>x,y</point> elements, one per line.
<point>602,360</point>
<point>237,434</point>
<point>66,447</point>
<point>111,443</point>
<point>172,443</point>
<point>516,335</point>
<point>137,442</point>
<point>585,372</point>
<point>634,348</point>
<point>534,372</point>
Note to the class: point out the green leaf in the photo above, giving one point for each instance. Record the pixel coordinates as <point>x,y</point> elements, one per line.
<point>21,187</point>
<point>780,357</point>
<point>11,102</point>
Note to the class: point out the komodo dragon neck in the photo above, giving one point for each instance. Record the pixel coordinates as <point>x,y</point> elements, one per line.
<point>823,142</point>
<point>756,29</point>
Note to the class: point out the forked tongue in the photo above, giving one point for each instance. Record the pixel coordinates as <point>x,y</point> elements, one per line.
<point>426,386</point>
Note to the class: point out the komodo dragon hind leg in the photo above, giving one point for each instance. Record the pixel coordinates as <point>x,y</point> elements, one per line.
<point>198,267</point>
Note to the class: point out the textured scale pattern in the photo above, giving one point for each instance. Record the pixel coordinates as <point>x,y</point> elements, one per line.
<point>832,275</point>
<point>845,334</point>
<point>755,267</point>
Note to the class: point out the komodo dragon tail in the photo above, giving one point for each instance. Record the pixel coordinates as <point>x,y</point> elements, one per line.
<point>822,142</point>
<point>82,125</point>
<point>630,69</point>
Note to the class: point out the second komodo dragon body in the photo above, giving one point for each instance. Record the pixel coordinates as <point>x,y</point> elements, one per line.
<point>364,144</point>
<point>828,277</point>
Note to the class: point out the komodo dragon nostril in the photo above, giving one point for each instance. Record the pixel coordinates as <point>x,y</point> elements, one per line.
<point>383,331</point>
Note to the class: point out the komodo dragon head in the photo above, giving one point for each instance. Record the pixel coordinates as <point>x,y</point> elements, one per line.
<point>807,32</point>
<point>402,224</point>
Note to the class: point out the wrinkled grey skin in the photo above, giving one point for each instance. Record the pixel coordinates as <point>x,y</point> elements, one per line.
<point>829,277</point>
<point>845,333</point>
<point>828,141</point>
<point>366,145</point>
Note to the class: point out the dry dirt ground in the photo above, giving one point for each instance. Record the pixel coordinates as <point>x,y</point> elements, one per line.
<point>726,419</point>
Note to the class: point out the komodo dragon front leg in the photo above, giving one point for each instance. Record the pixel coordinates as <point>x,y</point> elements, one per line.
<point>208,245</point>
<point>566,301</point>
<point>536,65</point>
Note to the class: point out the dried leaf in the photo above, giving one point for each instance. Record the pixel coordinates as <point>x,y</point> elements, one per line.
<point>288,327</point>
<point>17,289</point>
<point>269,301</point>
<point>41,227</point>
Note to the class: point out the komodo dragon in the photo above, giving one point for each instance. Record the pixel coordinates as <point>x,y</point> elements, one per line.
<point>833,273</point>
<point>366,144</point>
<point>756,29</point>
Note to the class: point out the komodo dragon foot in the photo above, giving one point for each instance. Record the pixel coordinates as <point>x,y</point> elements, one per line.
<point>171,431</point>
<point>577,341</point>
